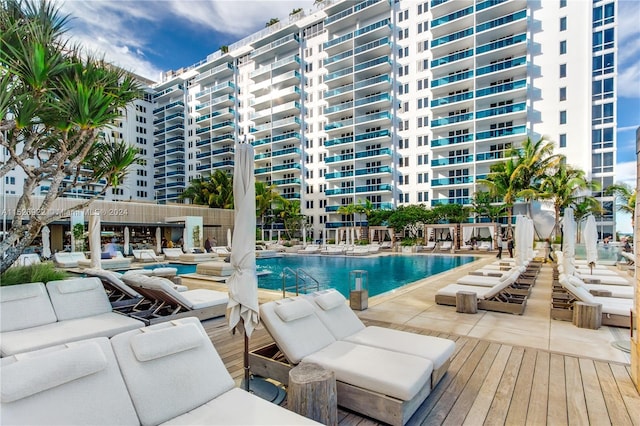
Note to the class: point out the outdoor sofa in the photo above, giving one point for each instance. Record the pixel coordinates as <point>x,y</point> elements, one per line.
<point>68,259</point>
<point>33,316</point>
<point>169,373</point>
<point>115,263</point>
<point>172,253</point>
<point>146,255</point>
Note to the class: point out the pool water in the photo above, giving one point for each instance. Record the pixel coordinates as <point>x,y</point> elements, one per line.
<point>384,273</point>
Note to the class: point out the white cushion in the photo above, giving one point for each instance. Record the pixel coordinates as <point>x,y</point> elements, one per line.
<point>297,338</point>
<point>75,384</point>
<point>103,325</point>
<point>390,373</point>
<point>168,386</point>
<point>340,320</point>
<point>165,342</point>
<point>478,280</point>
<point>165,271</point>
<point>604,279</point>
<point>237,407</point>
<point>435,349</point>
<point>294,310</point>
<point>78,298</point>
<point>24,306</point>
<point>329,299</point>
<point>452,289</point>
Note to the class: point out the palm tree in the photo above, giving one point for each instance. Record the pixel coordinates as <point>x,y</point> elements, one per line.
<point>585,207</point>
<point>348,210</point>
<point>565,187</point>
<point>266,196</point>
<point>502,183</point>
<point>626,198</point>
<point>60,100</point>
<point>215,191</point>
<point>484,206</point>
<point>289,212</point>
<point>271,22</point>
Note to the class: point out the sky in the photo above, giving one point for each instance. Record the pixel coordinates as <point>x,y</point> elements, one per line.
<point>152,36</point>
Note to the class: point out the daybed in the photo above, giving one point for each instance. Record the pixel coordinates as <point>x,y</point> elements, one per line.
<point>484,245</point>
<point>332,309</point>
<point>216,268</point>
<point>310,249</point>
<point>167,373</point>
<point>27,259</point>
<point>615,311</point>
<point>146,255</point>
<point>339,249</point>
<point>221,251</point>
<point>501,297</point>
<point>168,303</point>
<point>445,246</point>
<point>265,253</point>
<point>358,251</point>
<point>68,259</point>
<point>172,253</point>
<point>386,385</point>
<point>33,317</point>
<point>431,246</point>
<point>599,279</point>
<point>116,263</point>
<point>197,257</point>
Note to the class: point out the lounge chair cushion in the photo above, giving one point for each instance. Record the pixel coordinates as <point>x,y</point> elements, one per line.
<point>390,373</point>
<point>74,384</point>
<point>169,386</point>
<point>341,321</point>
<point>328,300</point>
<point>299,338</point>
<point>237,407</point>
<point>452,289</point>
<point>295,310</point>
<point>150,346</point>
<point>16,300</point>
<point>78,298</point>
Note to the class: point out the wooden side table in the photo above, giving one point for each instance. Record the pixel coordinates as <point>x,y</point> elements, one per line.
<point>312,393</point>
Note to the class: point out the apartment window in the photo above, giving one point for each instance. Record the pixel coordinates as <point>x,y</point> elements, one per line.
<point>602,138</point>
<point>602,113</point>
<point>563,93</point>
<point>563,23</point>
<point>563,3</point>
<point>563,117</point>
<point>563,47</point>
<point>563,70</point>
<point>603,15</point>
<point>423,7</point>
<point>603,64</point>
<point>563,140</point>
<point>603,40</point>
<point>602,89</point>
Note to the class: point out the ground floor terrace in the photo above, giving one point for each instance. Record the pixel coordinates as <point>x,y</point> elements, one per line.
<point>507,369</point>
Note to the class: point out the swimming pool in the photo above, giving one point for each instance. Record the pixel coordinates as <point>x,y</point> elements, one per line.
<point>385,273</point>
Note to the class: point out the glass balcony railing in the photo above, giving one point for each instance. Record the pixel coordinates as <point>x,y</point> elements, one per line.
<point>452,78</point>
<point>498,44</point>
<point>168,106</point>
<point>285,136</point>
<point>372,99</point>
<point>452,119</point>
<point>507,131</point>
<point>374,153</point>
<point>339,191</point>
<point>273,45</point>
<point>452,160</point>
<point>169,140</point>
<point>385,187</point>
<point>287,151</point>
<point>373,171</point>
<point>222,164</point>
<point>444,201</point>
<point>373,80</point>
<point>215,88</point>
<point>338,158</point>
<point>214,71</point>
<point>337,74</point>
<point>291,181</point>
<point>487,4</point>
<point>452,58</point>
<point>168,129</point>
<point>168,117</point>
<point>451,99</point>
<point>452,140</point>
<point>501,21</point>
<point>505,87</point>
<point>372,63</point>
<point>338,57</point>
<point>338,91</point>
<point>287,166</point>
<point>338,175</point>
<point>372,117</point>
<point>339,141</point>
<point>339,124</point>
<point>452,16</point>
<point>501,110</point>
<point>458,180</point>
<point>451,37</point>
<point>490,155</point>
<point>373,135</point>
<point>291,195</point>
<point>435,3</point>
<point>168,90</point>
<point>372,45</point>
<point>502,65</point>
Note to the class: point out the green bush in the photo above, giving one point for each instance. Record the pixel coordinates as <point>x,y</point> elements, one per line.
<point>41,272</point>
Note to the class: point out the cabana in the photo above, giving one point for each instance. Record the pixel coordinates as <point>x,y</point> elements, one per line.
<point>479,231</point>
<point>441,232</point>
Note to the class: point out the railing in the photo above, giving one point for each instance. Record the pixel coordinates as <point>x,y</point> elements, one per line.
<point>303,282</point>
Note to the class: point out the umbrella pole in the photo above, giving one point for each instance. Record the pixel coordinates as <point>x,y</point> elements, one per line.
<point>247,368</point>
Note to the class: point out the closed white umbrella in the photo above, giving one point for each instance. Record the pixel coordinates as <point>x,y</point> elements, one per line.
<point>229,236</point>
<point>568,240</point>
<point>590,235</point>
<point>324,237</point>
<point>94,240</point>
<point>46,242</point>
<point>126,240</point>
<point>304,235</point>
<point>242,310</point>
<point>158,240</point>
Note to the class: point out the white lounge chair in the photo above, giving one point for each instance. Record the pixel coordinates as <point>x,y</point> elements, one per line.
<point>446,245</point>
<point>172,253</point>
<point>332,309</point>
<point>499,297</point>
<point>146,255</point>
<point>68,259</point>
<point>115,263</point>
<point>386,385</point>
<point>618,291</point>
<point>431,246</point>
<point>310,249</point>
<point>484,245</point>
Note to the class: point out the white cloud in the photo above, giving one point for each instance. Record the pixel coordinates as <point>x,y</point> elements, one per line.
<point>628,49</point>
<point>626,173</point>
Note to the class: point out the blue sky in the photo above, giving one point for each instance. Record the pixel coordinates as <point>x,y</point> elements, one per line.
<point>151,36</point>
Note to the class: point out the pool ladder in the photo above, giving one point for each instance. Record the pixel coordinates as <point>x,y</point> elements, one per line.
<point>304,283</point>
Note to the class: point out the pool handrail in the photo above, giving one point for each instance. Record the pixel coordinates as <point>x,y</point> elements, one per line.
<point>301,276</point>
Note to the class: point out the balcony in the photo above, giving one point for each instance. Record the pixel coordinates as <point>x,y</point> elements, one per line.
<point>374,153</point>
<point>511,63</point>
<point>498,44</point>
<point>505,87</point>
<point>381,170</point>
<point>227,86</point>
<point>490,155</point>
<point>459,180</point>
<point>282,182</point>
<point>452,119</point>
<point>218,71</point>
<point>449,161</point>
<point>168,106</point>
<point>176,127</point>
<point>286,152</point>
<point>288,166</point>
<point>443,201</point>
<point>339,175</point>
<point>487,4</point>
<point>507,131</point>
<point>384,187</point>
<point>338,158</point>
<point>507,109</point>
<point>451,99</point>
<point>295,121</point>
<point>452,17</point>
<point>452,140</point>
<point>284,41</point>
<point>169,90</point>
<point>502,21</point>
<point>291,196</point>
<point>452,78</point>
<point>451,37</point>
<point>452,58</point>
<point>177,115</point>
<point>339,191</point>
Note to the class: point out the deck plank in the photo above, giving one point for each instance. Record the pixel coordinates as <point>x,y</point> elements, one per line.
<point>483,400</point>
<point>612,399</point>
<point>538,402</point>
<point>576,404</point>
<point>597,409</point>
<point>628,391</point>
<point>497,414</point>
<point>557,411</point>
<point>517,414</point>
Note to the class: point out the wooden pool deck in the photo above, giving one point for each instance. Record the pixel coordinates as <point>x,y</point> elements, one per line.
<point>495,383</point>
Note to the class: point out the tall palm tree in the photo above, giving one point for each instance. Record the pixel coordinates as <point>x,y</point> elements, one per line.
<point>266,197</point>
<point>348,210</point>
<point>502,182</point>
<point>626,198</point>
<point>484,206</point>
<point>221,190</point>
<point>565,186</point>
<point>289,212</point>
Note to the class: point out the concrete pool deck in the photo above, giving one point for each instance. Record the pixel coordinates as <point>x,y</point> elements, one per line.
<point>414,305</point>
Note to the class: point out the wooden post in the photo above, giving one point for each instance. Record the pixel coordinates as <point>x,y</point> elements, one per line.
<point>466,302</point>
<point>587,315</point>
<point>312,393</point>
<point>359,299</point>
